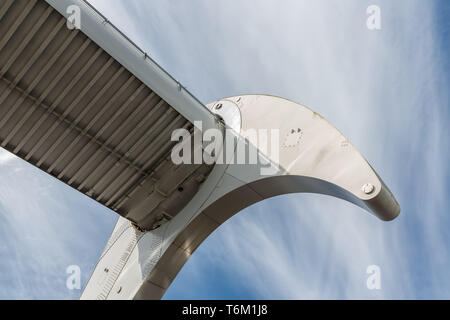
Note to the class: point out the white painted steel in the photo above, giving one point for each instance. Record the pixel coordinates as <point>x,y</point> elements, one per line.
<point>321,161</point>
<point>93,110</point>
<point>134,59</point>
<point>72,109</point>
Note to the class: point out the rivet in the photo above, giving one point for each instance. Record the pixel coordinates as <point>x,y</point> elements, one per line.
<point>368,188</point>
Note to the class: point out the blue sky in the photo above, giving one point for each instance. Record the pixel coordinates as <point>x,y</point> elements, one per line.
<point>386,90</point>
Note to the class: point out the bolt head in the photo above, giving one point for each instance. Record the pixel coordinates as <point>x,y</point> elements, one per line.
<point>368,188</point>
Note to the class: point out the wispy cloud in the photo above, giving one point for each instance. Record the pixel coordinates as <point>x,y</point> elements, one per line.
<point>5,156</point>
<point>45,226</point>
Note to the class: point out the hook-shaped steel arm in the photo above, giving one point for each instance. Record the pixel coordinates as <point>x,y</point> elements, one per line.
<point>307,154</point>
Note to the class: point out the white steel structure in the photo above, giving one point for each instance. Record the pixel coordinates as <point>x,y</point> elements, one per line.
<point>93,110</point>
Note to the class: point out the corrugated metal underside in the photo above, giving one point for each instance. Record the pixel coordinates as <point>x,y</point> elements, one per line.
<point>69,108</point>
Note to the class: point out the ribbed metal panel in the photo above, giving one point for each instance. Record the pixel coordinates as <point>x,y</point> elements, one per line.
<point>69,108</point>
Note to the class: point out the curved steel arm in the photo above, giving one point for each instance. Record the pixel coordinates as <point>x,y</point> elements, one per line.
<point>309,155</point>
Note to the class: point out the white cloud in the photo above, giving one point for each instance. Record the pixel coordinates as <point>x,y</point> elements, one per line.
<point>6,156</point>
<point>45,226</point>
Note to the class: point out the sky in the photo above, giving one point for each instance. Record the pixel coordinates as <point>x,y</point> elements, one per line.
<point>385,90</point>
